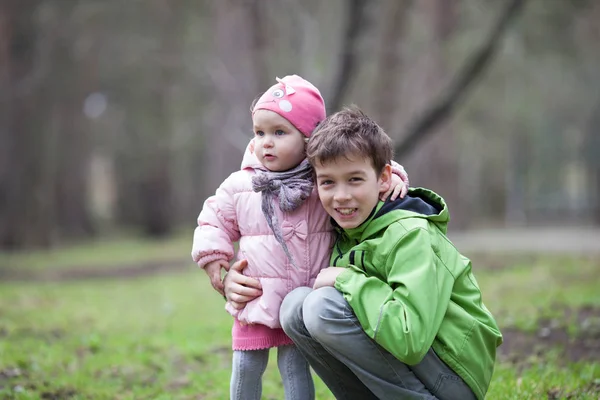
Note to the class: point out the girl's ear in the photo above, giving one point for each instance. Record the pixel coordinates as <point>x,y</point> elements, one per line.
<point>385,178</point>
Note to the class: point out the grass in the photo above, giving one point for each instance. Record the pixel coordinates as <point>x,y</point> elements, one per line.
<point>523,292</point>
<point>160,337</point>
<point>167,336</point>
<point>106,253</point>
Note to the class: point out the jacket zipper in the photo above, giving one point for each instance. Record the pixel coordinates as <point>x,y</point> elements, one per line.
<point>339,253</point>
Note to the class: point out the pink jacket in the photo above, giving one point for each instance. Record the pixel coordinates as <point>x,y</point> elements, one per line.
<point>234,214</point>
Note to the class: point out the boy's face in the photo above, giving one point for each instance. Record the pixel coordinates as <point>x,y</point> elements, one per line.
<point>278,145</point>
<point>349,188</point>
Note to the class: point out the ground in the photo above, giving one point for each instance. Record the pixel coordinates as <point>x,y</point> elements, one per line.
<point>148,329</point>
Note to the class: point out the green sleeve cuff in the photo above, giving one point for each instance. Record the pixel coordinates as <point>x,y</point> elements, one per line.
<point>342,279</point>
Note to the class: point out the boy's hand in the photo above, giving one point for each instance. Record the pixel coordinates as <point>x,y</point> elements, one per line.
<point>397,186</point>
<point>213,270</point>
<point>240,289</point>
<point>327,277</point>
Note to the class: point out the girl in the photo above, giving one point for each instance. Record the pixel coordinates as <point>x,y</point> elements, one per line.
<point>271,208</point>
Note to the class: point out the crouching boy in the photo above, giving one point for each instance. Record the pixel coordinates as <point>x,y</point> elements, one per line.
<point>399,313</point>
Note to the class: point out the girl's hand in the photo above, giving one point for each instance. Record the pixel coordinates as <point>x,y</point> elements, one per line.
<point>240,289</point>
<point>397,187</point>
<point>327,277</point>
<point>213,270</point>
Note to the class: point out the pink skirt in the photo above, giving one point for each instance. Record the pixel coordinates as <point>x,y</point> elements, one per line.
<point>256,337</point>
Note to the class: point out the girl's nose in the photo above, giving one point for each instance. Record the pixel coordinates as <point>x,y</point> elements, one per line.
<point>267,141</point>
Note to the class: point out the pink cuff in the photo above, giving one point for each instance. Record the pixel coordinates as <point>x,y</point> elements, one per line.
<point>202,261</point>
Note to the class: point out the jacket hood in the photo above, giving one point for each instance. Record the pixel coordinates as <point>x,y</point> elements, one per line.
<point>418,203</point>
<point>250,160</point>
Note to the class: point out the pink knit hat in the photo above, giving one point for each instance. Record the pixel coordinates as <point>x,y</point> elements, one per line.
<point>296,100</point>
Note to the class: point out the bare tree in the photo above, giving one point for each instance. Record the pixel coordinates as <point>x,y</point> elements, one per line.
<point>145,197</point>
<point>355,26</point>
<point>444,105</point>
<point>74,73</point>
<point>593,164</point>
<point>590,35</point>
<point>257,12</point>
<point>28,163</point>
<point>235,80</point>
<point>435,163</point>
<point>389,65</point>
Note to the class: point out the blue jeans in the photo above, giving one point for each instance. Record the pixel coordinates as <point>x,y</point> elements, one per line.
<point>352,365</point>
<point>248,368</point>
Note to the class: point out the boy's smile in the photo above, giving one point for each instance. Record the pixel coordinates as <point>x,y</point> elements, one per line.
<point>349,188</point>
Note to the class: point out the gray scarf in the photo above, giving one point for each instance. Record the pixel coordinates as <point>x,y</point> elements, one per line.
<point>292,187</point>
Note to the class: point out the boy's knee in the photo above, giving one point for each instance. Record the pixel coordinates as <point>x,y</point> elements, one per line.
<point>322,311</point>
<point>291,307</point>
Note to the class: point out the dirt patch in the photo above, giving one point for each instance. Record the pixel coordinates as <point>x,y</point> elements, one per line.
<point>9,373</point>
<point>556,393</point>
<point>583,345</point>
<point>126,271</point>
<point>59,394</point>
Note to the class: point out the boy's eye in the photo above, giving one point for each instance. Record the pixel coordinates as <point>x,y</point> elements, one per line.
<point>279,132</point>
<point>355,179</point>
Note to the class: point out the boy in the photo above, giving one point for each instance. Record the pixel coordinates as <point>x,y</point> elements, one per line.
<point>399,313</point>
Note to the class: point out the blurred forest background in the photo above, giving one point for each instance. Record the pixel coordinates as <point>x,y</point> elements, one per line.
<point>126,115</point>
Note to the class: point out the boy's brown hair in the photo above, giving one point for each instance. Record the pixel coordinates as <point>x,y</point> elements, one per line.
<point>349,132</point>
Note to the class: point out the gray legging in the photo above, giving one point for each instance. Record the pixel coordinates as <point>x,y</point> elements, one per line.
<point>248,368</point>
<point>324,328</point>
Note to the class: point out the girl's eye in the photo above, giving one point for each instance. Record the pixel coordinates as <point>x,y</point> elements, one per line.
<point>279,132</point>
<point>259,133</point>
<point>326,183</point>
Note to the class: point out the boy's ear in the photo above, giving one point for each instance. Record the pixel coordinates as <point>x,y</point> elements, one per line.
<point>385,179</point>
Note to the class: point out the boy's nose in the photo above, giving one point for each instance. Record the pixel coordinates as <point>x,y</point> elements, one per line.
<point>341,195</point>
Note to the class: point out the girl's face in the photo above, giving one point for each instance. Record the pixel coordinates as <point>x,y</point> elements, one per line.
<point>278,145</point>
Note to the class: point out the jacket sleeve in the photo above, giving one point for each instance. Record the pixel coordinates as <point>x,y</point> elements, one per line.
<point>399,170</point>
<point>404,314</point>
<point>217,228</point>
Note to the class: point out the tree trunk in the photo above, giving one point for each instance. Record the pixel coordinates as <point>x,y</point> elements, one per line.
<point>519,149</point>
<point>144,160</point>
<point>355,26</point>
<point>389,66</point>
<point>26,178</point>
<point>71,82</point>
<point>592,162</point>
<point>444,105</point>
<point>590,30</point>
<point>235,81</point>
<point>435,164</point>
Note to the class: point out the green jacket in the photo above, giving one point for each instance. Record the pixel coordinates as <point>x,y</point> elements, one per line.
<point>412,290</point>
